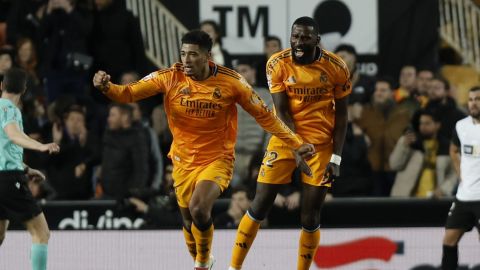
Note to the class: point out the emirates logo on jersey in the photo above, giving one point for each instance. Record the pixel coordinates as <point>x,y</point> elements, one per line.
<point>217,93</point>
<point>323,77</point>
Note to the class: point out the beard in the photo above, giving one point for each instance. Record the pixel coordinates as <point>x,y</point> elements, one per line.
<point>308,54</point>
<point>475,114</point>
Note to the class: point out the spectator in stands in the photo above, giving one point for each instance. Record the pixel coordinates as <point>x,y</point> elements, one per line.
<point>117,43</point>
<point>160,125</point>
<point>155,157</point>
<point>129,77</point>
<point>24,20</point>
<point>26,58</point>
<point>424,78</point>
<point>424,167</point>
<point>64,32</point>
<point>406,94</point>
<point>250,136</point>
<point>362,85</point>
<point>383,121</point>
<point>239,204</point>
<point>355,173</point>
<point>442,104</point>
<point>125,154</point>
<point>219,54</point>
<point>70,172</point>
<point>407,83</point>
<point>288,197</point>
<point>36,126</point>
<point>160,210</point>
<point>6,61</point>
<point>271,45</point>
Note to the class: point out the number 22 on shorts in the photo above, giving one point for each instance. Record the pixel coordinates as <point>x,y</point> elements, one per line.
<point>269,158</point>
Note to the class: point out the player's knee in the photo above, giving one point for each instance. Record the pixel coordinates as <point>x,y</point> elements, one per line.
<point>199,213</point>
<point>255,214</point>
<point>310,222</point>
<point>42,236</point>
<point>450,240</point>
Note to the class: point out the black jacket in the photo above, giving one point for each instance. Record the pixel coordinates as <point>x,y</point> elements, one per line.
<point>61,168</point>
<point>62,35</point>
<point>117,43</point>
<point>124,162</point>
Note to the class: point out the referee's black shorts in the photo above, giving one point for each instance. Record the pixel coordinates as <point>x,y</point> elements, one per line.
<point>464,215</point>
<point>16,200</point>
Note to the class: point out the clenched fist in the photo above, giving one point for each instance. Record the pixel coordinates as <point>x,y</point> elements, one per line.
<point>101,80</point>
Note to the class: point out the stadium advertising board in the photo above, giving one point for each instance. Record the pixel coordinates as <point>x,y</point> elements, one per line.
<point>245,23</point>
<point>346,249</point>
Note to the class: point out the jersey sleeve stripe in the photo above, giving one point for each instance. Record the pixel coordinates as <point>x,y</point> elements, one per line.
<point>229,74</point>
<point>228,71</point>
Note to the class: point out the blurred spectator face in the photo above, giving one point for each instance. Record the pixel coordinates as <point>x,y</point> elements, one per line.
<point>210,30</point>
<point>349,59</point>
<point>408,77</point>
<point>25,51</point>
<point>423,81</point>
<point>428,127</point>
<point>383,93</point>
<point>137,113</point>
<point>474,104</point>
<point>75,122</point>
<point>271,47</point>
<point>129,77</point>
<point>39,109</point>
<point>5,62</point>
<point>114,119</point>
<point>248,72</point>
<point>437,90</point>
<point>102,4</point>
<point>241,200</point>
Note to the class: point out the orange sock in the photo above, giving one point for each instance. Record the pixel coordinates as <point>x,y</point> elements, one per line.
<point>307,246</point>
<point>247,230</point>
<point>191,245</point>
<point>203,240</point>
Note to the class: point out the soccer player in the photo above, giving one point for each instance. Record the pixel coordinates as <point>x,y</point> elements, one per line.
<point>309,87</point>
<point>16,200</point>
<point>200,102</point>
<point>465,152</point>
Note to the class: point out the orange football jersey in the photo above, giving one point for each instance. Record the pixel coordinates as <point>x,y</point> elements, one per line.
<point>311,90</point>
<point>202,115</point>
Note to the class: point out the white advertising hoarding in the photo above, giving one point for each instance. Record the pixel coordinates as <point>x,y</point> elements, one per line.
<point>246,22</point>
<point>347,249</point>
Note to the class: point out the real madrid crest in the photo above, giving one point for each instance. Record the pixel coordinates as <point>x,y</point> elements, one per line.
<point>216,93</point>
<point>323,77</point>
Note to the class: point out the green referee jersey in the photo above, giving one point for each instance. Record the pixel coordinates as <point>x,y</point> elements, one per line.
<point>11,155</point>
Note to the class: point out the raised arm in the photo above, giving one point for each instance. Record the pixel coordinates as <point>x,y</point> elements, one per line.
<point>144,88</point>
